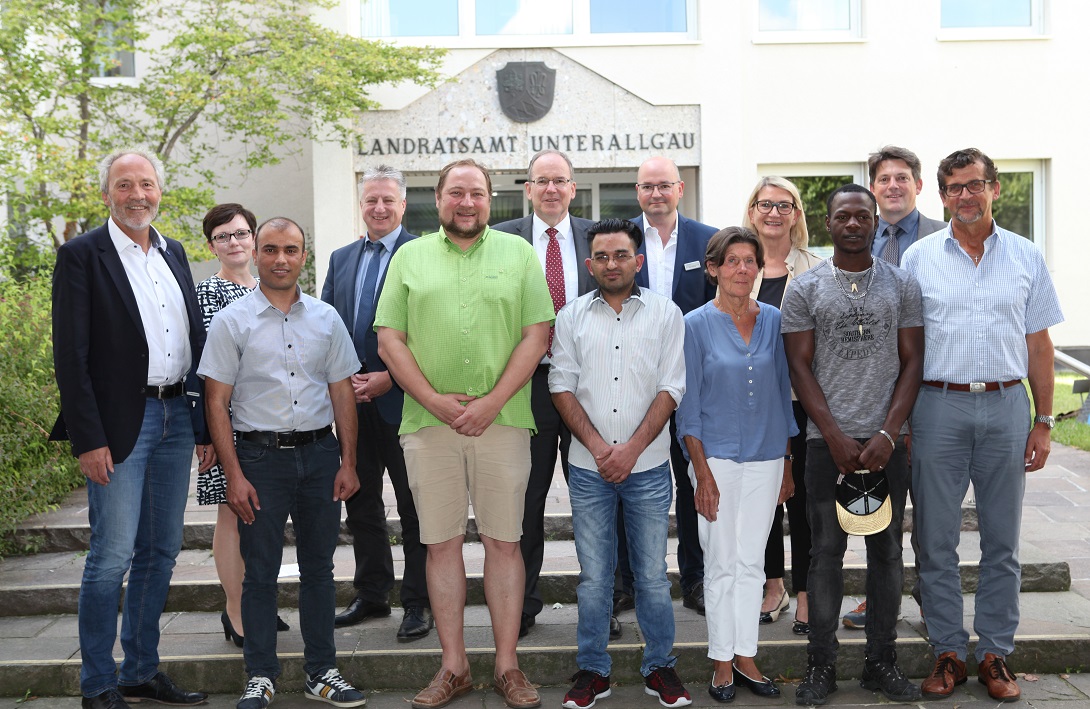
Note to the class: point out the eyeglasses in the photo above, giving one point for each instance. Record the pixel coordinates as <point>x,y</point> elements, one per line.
<point>224,237</point>
<point>974,187</point>
<point>543,182</point>
<point>663,187</point>
<point>620,258</point>
<point>765,207</point>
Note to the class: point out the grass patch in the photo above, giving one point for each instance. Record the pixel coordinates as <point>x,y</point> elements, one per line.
<point>1070,432</point>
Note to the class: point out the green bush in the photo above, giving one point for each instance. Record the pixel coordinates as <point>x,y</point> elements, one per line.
<point>35,474</point>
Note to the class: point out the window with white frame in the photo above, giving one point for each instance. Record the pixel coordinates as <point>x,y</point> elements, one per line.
<point>557,22</point>
<point>808,20</point>
<point>991,19</point>
<point>815,181</point>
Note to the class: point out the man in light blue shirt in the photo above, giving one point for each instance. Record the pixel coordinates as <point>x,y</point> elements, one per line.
<point>988,301</point>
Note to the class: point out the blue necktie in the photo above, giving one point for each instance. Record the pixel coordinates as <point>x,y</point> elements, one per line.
<point>365,300</point>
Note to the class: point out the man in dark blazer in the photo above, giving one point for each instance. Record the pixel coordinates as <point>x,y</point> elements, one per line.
<point>127,333</point>
<point>550,188</point>
<point>353,282</point>
<point>674,248</point>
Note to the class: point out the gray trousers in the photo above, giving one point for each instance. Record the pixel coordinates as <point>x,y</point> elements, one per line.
<point>958,437</point>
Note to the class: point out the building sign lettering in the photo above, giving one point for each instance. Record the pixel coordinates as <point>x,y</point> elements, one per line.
<point>511,144</point>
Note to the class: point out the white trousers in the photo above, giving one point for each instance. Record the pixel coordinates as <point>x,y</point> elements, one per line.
<point>734,552</point>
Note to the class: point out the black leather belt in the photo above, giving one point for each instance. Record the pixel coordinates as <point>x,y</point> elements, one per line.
<point>164,391</point>
<point>974,387</point>
<point>291,439</point>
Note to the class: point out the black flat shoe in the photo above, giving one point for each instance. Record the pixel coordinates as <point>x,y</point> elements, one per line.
<point>800,627</point>
<point>110,699</point>
<point>721,692</point>
<point>160,689</point>
<point>416,624</point>
<point>229,631</point>
<point>281,626</point>
<point>762,688</point>
<point>360,610</point>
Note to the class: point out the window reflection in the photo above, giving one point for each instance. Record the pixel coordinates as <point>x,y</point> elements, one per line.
<point>497,17</point>
<point>409,18</point>
<point>607,16</point>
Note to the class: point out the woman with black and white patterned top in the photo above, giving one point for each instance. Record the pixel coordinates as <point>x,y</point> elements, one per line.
<point>229,229</point>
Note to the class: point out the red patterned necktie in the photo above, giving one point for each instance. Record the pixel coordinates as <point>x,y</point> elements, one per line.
<point>554,276</point>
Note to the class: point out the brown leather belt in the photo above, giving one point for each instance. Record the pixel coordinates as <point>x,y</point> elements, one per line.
<point>974,387</point>
<point>164,391</point>
<point>273,439</point>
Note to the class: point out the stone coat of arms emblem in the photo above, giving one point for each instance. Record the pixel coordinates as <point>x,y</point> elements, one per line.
<point>525,90</point>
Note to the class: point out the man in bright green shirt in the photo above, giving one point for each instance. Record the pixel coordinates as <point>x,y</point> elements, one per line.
<point>463,321</point>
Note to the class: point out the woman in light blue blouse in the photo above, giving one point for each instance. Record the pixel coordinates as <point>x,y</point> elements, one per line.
<point>735,422</point>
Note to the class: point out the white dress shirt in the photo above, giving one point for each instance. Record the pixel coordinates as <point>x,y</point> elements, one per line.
<point>660,259</point>
<point>567,257</point>
<point>162,307</point>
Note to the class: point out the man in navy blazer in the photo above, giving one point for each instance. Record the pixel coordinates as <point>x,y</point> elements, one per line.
<point>127,333</point>
<point>550,188</point>
<point>353,271</point>
<point>674,248</point>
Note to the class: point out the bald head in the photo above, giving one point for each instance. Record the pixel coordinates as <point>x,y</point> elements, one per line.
<point>659,189</point>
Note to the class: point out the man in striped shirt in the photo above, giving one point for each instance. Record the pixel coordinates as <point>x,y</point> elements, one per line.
<point>988,302</point>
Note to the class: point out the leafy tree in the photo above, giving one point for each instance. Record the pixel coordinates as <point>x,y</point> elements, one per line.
<point>257,75</point>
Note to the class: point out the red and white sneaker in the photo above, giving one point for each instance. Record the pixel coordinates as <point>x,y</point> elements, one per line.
<point>664,683</point>
<point>587,688</point>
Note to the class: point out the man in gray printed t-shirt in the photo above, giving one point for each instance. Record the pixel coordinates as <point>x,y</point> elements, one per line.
<point>853,333</point>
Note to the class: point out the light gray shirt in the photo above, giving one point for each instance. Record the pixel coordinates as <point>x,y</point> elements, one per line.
<point>279,365</point>
<point>616,364</point>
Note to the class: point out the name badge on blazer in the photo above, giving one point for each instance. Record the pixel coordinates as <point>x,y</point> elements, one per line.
<point>692,265</point>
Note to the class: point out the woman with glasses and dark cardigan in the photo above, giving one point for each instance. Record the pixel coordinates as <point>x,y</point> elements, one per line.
<point>775,212</point>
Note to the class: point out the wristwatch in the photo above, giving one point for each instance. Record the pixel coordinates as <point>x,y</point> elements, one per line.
<point>1046,420</point>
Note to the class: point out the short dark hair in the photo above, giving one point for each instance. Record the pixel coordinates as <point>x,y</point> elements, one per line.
<point>723,240</point>
<point>850,187</point>
<point>222,213</point>
<point>279,224</point>
<point>964,158</point>
<point>616,226</point>
<point>465,162</point>
<point>892,152</point>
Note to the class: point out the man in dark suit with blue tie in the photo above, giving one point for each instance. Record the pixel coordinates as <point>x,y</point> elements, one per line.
<point>674,248</point>
<point>560,241</point>
<point>127,333</point>
<point>352,285</point>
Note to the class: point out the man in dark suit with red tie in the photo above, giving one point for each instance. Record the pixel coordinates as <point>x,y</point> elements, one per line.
<point>127,333</point>
<point>353,282</point>
<point>560,241</point>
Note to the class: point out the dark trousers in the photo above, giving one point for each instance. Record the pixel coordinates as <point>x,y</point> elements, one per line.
<point>885,570</point>
<point>378,449</point>
<point>552,436</point>
<point>796,514</point>
<point>690,557</point>
<point>296,481</point>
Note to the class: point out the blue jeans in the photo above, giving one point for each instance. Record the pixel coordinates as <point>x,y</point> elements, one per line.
<point>136,527</point>
<point>296,481</point>
<point>646,496</point>
<point>885,565</point>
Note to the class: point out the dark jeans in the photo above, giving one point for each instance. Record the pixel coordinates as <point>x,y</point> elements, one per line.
<point>796,513</point>
<point>690,557</point>
<point>885,570</point>
<point>552,437</point>
<point>296,481</point>
<point>378,450</point>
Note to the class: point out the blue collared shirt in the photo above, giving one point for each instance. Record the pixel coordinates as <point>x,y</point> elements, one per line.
<point>976,317</point>
<point>737,396</point>
<point>910,227</point>
<point>388,243</point>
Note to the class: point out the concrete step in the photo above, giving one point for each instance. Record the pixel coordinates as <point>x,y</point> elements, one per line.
<point>40,654</point>
<point>49,583</point>
<point>53,536</point>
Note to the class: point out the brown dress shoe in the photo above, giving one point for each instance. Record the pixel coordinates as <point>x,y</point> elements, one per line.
<point>994,674</point>
<point>516,690</point>
<point>948,673</point>
<point>445,687</point>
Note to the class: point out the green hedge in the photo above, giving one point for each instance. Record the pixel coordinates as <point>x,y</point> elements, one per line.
<point>35,474</point>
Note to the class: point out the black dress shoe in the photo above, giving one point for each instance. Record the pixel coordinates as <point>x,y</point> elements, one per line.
<point>762,688</point>
<point>528,621</point>
<point>110,699</point>
<point>416,624</point>
<point>161,689</point>
<point>281,626</point>
<point>721,692</point>
<point>360,610</point>
<point>615,629</point>
<point>694,599</point>
<point>623,602</point>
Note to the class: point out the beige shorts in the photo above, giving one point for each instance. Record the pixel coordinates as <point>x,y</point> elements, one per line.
<point>448,470</point>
